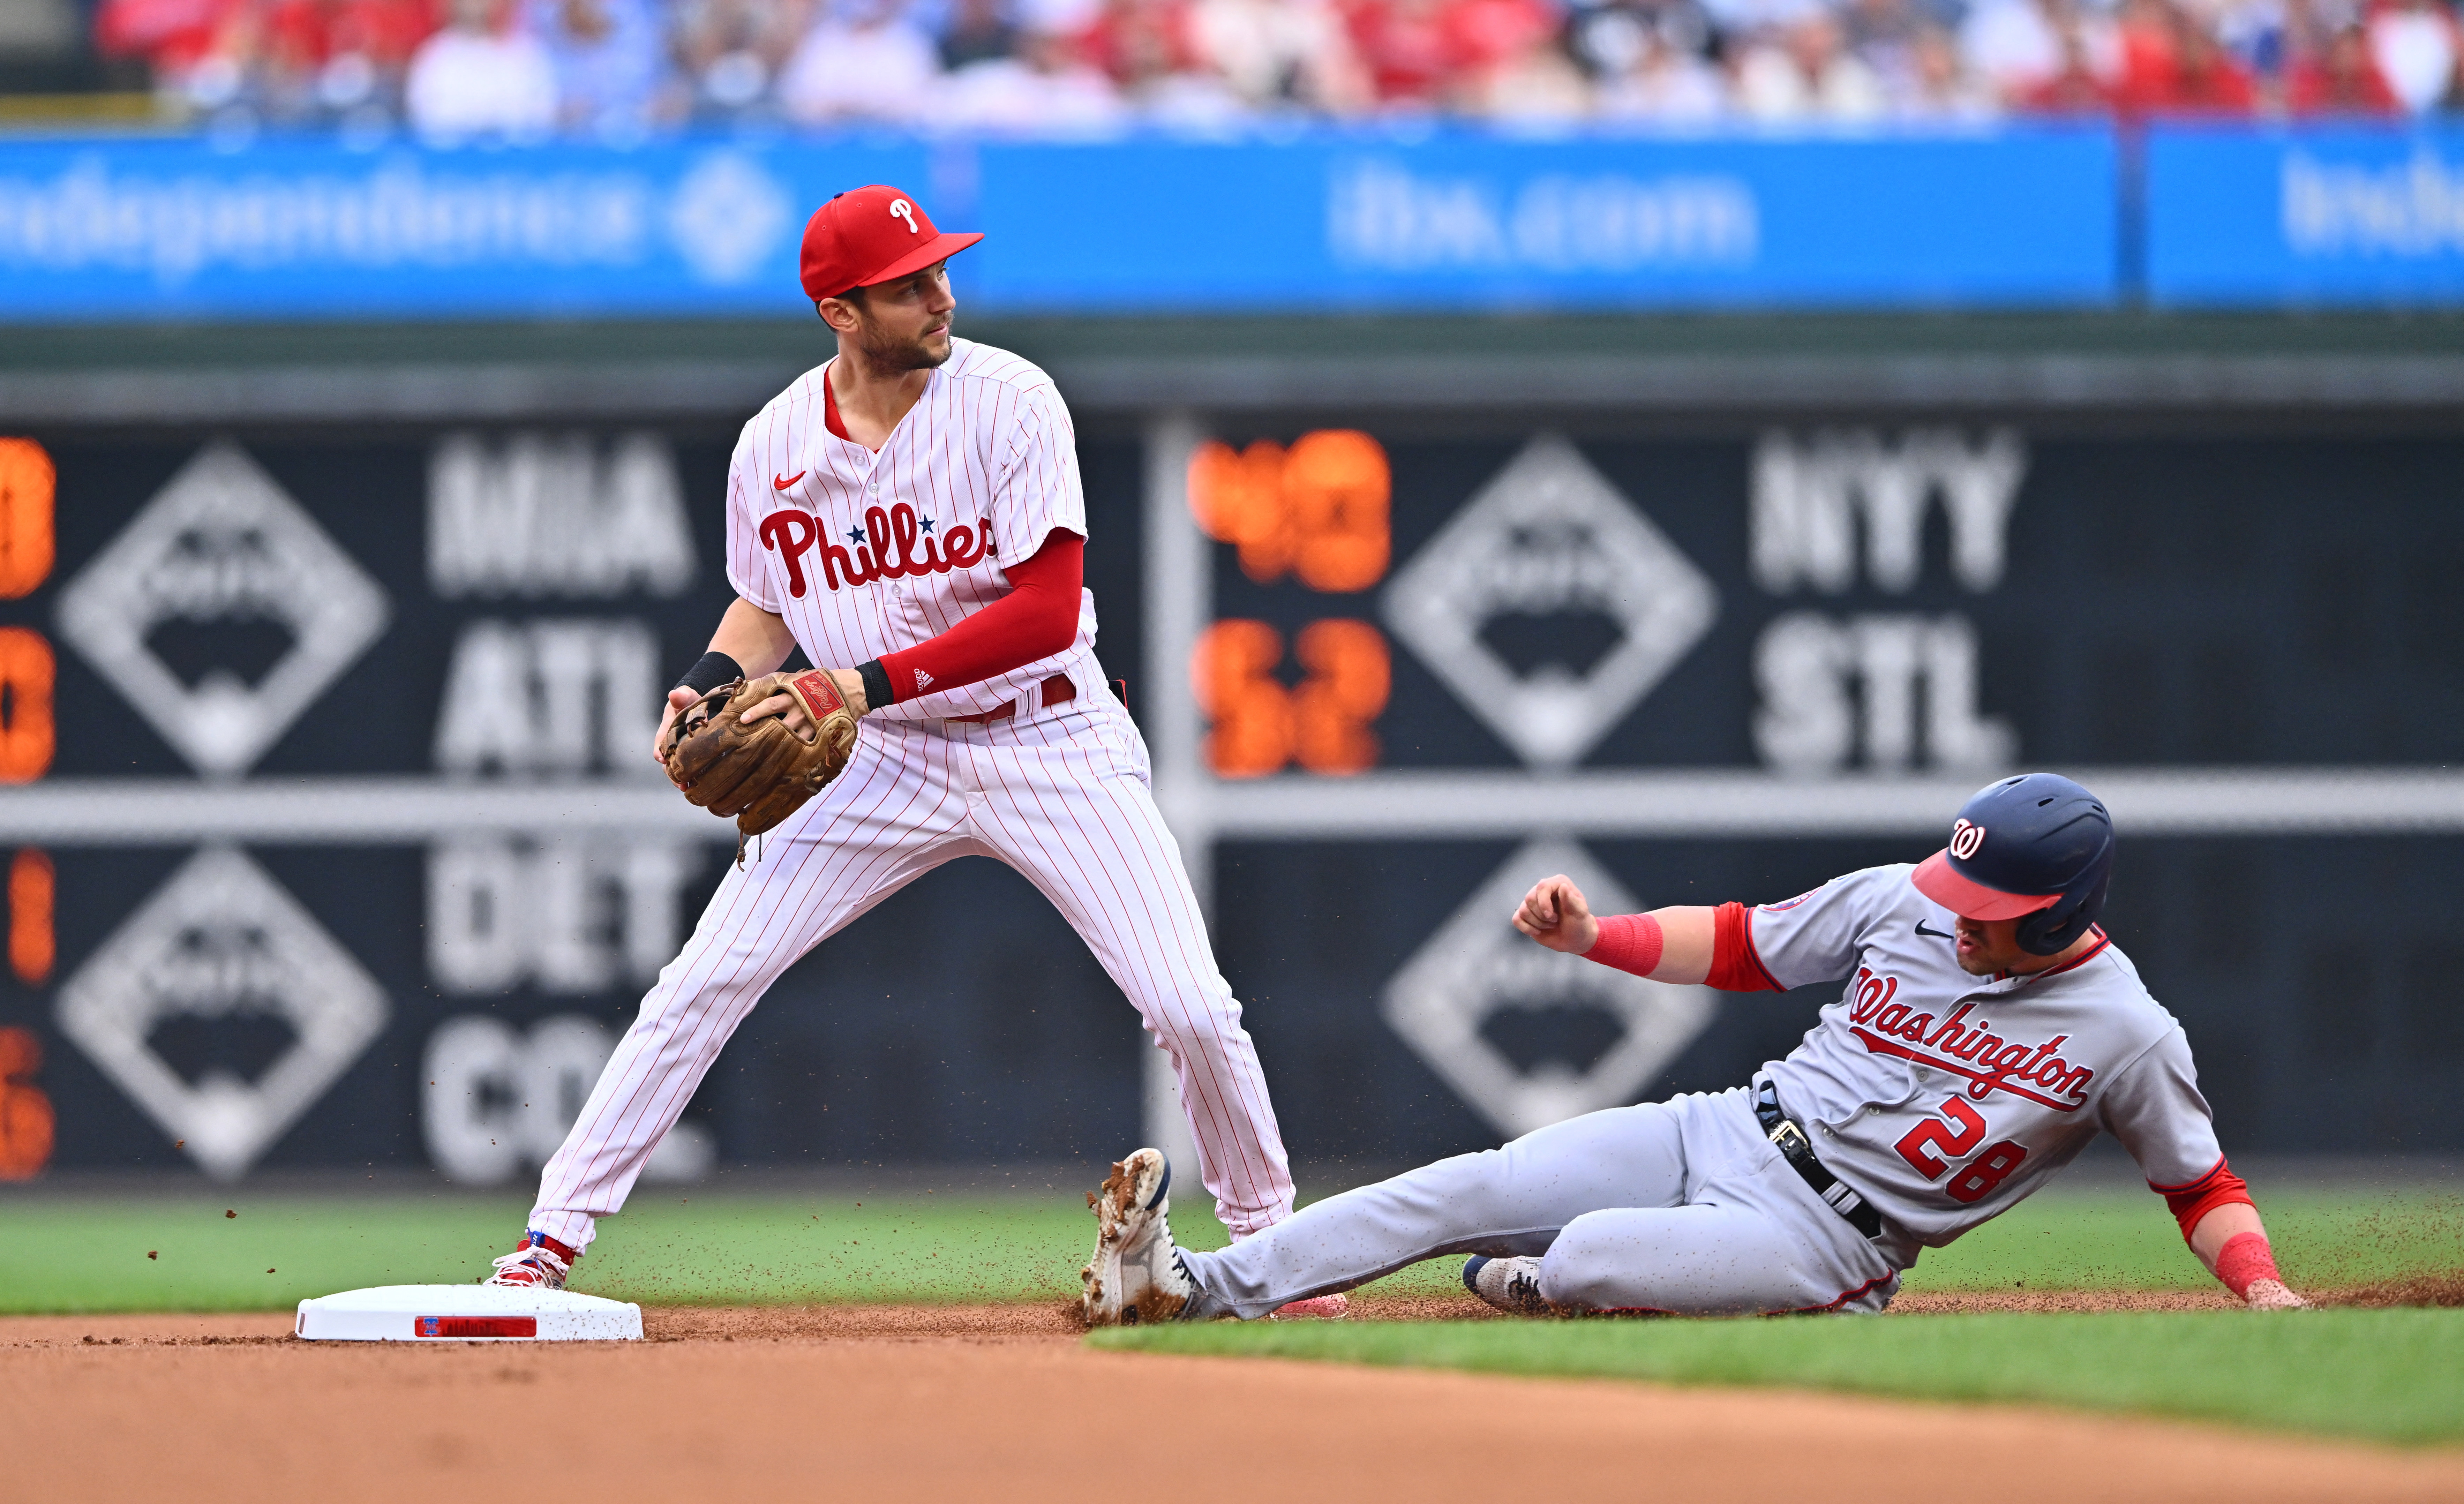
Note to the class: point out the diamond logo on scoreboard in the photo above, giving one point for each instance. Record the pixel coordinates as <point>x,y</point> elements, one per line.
<point>1531,1036</point>
<point>221,547</point>
<point>1550,561</point>
<point>222,949</point>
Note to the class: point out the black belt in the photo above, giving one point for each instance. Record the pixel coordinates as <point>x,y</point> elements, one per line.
<point>1793,1146</point>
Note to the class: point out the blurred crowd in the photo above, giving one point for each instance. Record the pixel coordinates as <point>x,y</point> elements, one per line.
<point>613,68</point>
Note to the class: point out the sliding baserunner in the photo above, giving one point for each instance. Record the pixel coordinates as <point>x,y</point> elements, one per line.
<point>1986,1031</point>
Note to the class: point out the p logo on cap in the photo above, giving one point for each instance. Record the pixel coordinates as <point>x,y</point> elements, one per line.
<point>875,234</point>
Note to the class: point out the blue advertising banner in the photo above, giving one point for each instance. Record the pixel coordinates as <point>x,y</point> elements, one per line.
<point>95,229</point>
<point>2013,218</point>
<point>311,228</point>
<point>2332,214</point>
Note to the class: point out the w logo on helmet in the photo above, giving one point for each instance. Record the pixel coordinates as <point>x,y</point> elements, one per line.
<point>1965,839</point>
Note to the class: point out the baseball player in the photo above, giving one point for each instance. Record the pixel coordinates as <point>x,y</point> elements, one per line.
<point>909,514</point>
<point>1987,1030</point>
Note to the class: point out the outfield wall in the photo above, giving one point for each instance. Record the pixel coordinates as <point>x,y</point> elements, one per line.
<point>2043,216</point>
<point>338,790</point>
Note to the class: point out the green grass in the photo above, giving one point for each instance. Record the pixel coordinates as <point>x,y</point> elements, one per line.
<point>691,1247</point>
<point>2123,1239</point>
<point>670,1247</point>
<point>2389,1376</point>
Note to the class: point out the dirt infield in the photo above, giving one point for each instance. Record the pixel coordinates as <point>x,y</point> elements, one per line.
<point>1000,1403</point>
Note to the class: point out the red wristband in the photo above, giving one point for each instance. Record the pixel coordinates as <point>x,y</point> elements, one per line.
<point>2246,1257</point>
<point>1629,942</point>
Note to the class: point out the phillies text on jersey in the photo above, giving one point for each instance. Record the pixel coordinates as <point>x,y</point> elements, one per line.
<point>866,553</point>
<point>1943,1098</point>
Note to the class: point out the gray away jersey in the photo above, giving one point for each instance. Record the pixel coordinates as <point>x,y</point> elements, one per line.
<point>1944,1098</point>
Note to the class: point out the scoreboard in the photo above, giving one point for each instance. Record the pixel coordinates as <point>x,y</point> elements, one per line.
<point>28,498</point>
<point>329,842</point>
<point>1317,515</point>
<point>1427,664</point>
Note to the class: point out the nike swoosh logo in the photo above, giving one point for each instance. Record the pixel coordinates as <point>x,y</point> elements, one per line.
<point>1936,934</point>
<point>782,483</point>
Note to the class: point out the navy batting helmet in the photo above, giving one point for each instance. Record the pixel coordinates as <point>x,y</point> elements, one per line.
<point>2038,848</point>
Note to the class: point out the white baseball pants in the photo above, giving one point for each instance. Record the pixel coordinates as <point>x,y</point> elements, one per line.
<point>1062,795</point>
<point>1680,1206</point>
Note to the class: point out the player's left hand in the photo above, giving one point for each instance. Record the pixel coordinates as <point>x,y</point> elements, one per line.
<point>790,709</point>
<point>2272,1295</point>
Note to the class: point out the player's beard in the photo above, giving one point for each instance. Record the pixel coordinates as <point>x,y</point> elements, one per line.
<point>885,354</point>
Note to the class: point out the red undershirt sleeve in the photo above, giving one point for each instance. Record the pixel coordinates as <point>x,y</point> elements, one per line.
<point>2190,1203</point>
<point>1037,619</point>
<point>1735,968</point>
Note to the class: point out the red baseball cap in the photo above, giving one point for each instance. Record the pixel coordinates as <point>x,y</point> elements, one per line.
<point>876,233</point>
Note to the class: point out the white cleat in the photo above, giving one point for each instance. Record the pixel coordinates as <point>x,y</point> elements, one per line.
<point>1135,1275</point>
<point>1512,1285</point>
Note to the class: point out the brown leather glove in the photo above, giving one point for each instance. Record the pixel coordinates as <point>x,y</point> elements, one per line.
<point>764,772</point>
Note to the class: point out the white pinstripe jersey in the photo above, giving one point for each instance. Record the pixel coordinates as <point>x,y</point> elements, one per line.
<point>864,554</point>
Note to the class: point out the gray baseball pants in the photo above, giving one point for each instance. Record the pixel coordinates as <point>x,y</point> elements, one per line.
<point>1680,1206</point>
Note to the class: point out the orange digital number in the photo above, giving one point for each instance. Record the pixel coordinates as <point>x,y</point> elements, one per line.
<point>25,1121</point>
<point>1337,491</point>
<point>32,945</point>
<point>1260,726</point>
<point>1349,674</point>
<point>26,733</point>
<point>1320,509</point>
<point>1234,674</point>
<point>26,483</point>
<point>1237,498</point>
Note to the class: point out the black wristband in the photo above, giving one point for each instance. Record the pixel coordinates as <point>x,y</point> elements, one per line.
<point>877,692</point>
<point>712,671</point>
